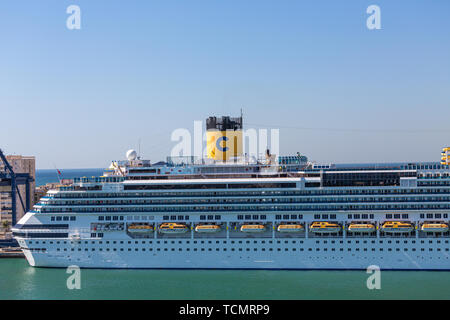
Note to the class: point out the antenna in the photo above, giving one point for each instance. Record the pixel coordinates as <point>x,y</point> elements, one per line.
<point>139,148</point>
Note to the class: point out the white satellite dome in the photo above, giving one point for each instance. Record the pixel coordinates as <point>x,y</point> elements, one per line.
<point>131,154</point>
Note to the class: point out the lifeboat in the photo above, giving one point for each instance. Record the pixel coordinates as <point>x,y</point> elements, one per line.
<point>207,228</point>
<point>324,227</point>
<point>397,226</point>
<point>290,228</point>
<point>253,228</point>
<point>434,227</point>
<point>139,228</point>
<point>171,228</point>
<point>361,227</point>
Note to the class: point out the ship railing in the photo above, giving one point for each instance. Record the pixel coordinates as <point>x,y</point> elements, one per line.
<point>98,179</point>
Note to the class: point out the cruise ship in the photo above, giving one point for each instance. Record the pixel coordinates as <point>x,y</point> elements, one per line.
<point>231,212</point>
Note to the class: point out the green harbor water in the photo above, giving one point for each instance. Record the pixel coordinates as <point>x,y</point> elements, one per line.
<point>20,281</point>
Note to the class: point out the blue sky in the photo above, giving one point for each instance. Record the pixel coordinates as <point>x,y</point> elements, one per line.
<point>140,69</point>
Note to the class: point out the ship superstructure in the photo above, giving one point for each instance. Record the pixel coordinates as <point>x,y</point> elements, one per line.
<point>278,213</point>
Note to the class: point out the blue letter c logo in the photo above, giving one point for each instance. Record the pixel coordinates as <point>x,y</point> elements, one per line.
<point>218,141</point>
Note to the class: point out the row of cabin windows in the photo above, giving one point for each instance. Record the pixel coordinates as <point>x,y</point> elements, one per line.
<point>246,200</point>
<point>110,218</point>
<point>252,217</point>
<point>176,217</point>
<point>397,216</point>
<point>62,195</point>
<point>257,208</point>
<point>263,217</point>
<point>360,216</point>
<point>436,215</point>
<point>245,241</point>
<point>210,217</point>
<point>63,218</point>
<point>325,216</point>
<point>287,217</point>
<point>250,249</point>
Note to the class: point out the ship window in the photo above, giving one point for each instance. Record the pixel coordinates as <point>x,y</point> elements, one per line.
<point>52,219</point>
<point>263,217</point>
<point>332,216</point>
<point>58,218</point>
<point>293,216</point>
<point>115,218</point>
<point>317,216</point>
<point>286,216</point>
<point>202,217</point>
<point>186,217</point>
<point>278,216</point>
<point>217,217</point>
<point>405,216</point>
<point>349,216</point>
<point>240,217</point>
<point>73,218</point>
<point>247,216</point>
<point>389,216</point>
<point>180,217</point>
<point>210,217</point>
<point>437,215</point>
<point>445,215</point>
<point>108,218</point>
<point>255,216</point>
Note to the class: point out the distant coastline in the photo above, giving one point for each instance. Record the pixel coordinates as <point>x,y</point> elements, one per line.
<point>44,176</point>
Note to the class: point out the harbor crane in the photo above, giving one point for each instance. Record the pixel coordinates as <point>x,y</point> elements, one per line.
<point>11,180</point>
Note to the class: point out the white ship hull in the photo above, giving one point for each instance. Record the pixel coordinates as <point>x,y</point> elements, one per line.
<point>403,260</point>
